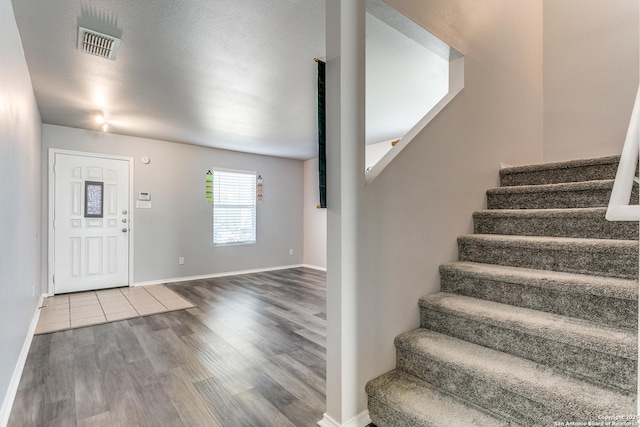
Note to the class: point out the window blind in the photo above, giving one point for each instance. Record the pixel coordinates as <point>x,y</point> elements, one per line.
<point>234,207</point>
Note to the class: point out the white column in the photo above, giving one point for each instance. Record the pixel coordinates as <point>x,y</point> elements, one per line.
<point>345,182</point>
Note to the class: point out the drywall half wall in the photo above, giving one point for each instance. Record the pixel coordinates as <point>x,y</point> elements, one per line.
<point>413,211</point>
<point>20,209</point>
<point>315,219</point>
<point>590,76</point>
<point>179,224</point>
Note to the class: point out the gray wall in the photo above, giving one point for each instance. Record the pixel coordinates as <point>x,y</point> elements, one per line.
<point>590,76</point>
<point>20,196</point>
<point>180,221</point>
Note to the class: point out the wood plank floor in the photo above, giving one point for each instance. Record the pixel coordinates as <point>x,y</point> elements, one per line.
<point>252,353</point>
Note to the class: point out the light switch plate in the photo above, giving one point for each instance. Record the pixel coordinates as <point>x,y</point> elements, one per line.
<point>143,204</point>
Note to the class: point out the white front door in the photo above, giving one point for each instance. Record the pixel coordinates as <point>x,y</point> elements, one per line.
<point>90,223</point>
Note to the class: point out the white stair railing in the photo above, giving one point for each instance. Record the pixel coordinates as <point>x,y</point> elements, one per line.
<point>619,208</point>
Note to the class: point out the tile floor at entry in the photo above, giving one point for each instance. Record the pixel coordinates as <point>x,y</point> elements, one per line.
<point>94,307</point>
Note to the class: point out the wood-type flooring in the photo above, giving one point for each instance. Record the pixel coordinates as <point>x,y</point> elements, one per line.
<point>252,353</point>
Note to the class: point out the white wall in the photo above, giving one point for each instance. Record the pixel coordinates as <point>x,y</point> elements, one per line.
<point>414,210</point>
<point>180,221</point>
<point>590,76</point>
<point>20,194</point>
<point>315,220</point>
<point>374,152</point>
<point>404,80</point>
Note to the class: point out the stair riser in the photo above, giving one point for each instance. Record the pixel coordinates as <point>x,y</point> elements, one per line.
<point>397,399</point>
<point>386,416</point>
<point>568,226</point>
<point>486,394</point>
<point>599,368</point>
<point>553,199</point>
<point>618,263</point>
<point>555,176</point>
<point>609,311</point>
<point>383,415</point>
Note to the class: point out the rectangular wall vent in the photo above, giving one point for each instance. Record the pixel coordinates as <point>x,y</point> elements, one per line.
<point>95,43</point>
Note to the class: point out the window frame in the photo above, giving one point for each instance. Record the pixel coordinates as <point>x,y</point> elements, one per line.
<point>253,205</point>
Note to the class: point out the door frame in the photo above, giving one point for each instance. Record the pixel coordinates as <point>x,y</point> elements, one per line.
<point>51,210</point>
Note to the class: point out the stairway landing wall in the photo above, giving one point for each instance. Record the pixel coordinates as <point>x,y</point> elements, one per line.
<point>590,76</point>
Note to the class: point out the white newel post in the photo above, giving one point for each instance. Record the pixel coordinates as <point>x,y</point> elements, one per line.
<point>345,108</point>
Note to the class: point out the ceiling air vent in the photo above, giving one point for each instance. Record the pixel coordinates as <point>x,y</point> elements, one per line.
<point>95,43</point>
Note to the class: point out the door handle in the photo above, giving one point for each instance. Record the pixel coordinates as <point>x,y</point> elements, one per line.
<point>124,230</point>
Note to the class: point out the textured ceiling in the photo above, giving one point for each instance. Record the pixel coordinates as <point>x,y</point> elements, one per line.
<point>230,74</point>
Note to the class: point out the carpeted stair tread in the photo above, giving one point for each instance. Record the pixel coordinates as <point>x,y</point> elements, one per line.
<point>623,289</point>
<point>563,329</point>
<point>570,171</point>
<point>600,257</point>
<point>607,300</point>
<point>557,187</point>
<point>598,353</point>
<point>568,222</point>
<point>399,399</point>
<point>525,391</point>
<point>553,196</point>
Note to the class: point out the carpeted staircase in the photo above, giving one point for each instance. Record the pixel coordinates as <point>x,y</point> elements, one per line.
<point>536,324</point>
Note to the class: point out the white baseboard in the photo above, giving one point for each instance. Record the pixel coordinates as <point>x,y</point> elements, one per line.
<point>10,396</point>
<point>360,420</point>
<point>214,275</point>
<point>314,267</point>
<point>327,421</point>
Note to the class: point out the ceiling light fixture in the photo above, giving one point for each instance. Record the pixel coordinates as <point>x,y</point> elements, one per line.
<point>102,123</point>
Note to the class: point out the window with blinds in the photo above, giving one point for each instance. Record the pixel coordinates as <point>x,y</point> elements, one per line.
<point>234,207</point>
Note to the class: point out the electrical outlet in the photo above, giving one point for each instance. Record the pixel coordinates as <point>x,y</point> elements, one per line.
<point>181,260</point>
<point>290,251</point>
